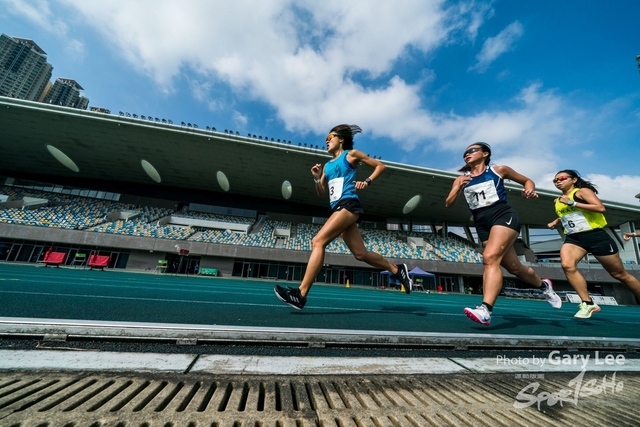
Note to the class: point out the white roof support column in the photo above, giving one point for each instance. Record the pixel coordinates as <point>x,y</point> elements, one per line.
<point>469,234</point>
<point>525,235</point>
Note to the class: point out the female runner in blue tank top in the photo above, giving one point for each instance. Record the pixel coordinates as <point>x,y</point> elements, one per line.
<point>497,225</point>
<point>338,178</point>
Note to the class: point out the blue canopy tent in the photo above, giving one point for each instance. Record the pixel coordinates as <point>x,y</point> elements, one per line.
<point>417,275</point>
<point>417,271</point>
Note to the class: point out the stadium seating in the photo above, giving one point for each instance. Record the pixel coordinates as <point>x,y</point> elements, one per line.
<point>83,213</point>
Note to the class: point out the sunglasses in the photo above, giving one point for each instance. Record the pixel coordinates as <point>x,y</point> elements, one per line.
<point>560,179</point>
<point>331,136</point>
<point>471,151</point>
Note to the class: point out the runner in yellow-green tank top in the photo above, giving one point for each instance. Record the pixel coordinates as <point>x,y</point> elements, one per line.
<point>581,214</point>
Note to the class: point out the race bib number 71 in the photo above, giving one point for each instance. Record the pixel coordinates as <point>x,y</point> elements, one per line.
<point>481,195</point>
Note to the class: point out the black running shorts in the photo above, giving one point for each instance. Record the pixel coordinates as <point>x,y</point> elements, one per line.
<point>351,204</point>
<point>596,242</point>
<point>498,214</point>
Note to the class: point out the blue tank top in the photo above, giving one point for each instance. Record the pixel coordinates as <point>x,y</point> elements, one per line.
<point>340,176</point>
<point>484,190</point>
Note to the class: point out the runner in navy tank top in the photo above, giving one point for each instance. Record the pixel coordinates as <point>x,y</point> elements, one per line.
<point>338,178</point>
<point>497,225</point>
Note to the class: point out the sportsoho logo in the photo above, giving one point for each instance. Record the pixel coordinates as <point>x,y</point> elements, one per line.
<point>576,388</point>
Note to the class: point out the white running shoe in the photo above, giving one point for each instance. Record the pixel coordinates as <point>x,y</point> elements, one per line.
<point>550,295</point>
<point>480,314</point>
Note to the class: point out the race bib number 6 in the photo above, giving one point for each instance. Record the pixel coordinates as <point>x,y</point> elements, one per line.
<point>575,223</point>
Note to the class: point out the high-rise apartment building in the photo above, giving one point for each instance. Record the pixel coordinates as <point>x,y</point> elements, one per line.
<point>66,92</point>
<point>24,70</point>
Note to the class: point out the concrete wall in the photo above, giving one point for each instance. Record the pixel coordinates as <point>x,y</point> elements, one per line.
<point>144,260</point>
<point>224,265</point>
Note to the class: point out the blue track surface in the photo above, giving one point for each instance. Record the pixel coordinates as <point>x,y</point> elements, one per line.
<point>28,291</point>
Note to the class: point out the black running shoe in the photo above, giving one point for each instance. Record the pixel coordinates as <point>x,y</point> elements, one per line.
<point>291,296</point>
<point>403,276</point>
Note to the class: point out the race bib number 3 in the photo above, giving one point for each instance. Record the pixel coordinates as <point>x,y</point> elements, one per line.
<point>481,195</point>
<point>335,189</point>
<point>575,223</point>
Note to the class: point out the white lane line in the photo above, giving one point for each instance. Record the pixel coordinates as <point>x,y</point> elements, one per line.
<point>553,316</point>
<point>186,301</point>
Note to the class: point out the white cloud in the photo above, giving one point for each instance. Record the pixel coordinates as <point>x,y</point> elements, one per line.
<point>493,47</point>
<point>298,56</point>
<point>621,188</point>
<point>240,119</point>
<point>321,63</point>
<point>39,13</point>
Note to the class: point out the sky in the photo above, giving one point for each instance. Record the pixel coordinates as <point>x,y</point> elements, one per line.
<point>550,85</point>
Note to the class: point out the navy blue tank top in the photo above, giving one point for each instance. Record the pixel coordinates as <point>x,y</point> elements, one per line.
<point>485,190</point>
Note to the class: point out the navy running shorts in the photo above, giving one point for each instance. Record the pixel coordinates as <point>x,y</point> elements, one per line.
<point>596,242</point>
<point>498,214</point>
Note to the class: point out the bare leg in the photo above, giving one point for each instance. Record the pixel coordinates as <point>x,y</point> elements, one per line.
<point>613,265</point>
<point>335,225</point>
<point>353,239</point>
<point>570,255</point>
<point>512,264</point>
<point>501,239</point>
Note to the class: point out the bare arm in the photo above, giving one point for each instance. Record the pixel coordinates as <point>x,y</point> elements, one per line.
<point>529,190</point>
<point>592,204</point>
<point>456,188</point>
<point>318,177</point>
<point>355,157</point>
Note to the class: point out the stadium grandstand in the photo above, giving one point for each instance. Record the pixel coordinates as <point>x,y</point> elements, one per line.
<point>155,196</point>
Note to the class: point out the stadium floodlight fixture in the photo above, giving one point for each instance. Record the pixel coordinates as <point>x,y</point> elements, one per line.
<point>135,116</point>
<point>208,128</point>
<point>237,133</point>
<point>127,114</point>
<point>189,125</point>
<point>195,125</point>
<point>164,121</point>
<point>183,124</point>
<point>170,121</point>
<point>143,117</point>
<point>286,189</point>
<point>213,129</point>
<point>120,113</point>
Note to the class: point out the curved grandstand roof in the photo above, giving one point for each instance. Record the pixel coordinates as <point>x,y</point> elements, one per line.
<point>113,153</point>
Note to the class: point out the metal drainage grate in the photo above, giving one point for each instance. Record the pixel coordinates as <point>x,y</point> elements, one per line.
<point>57,399</point>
